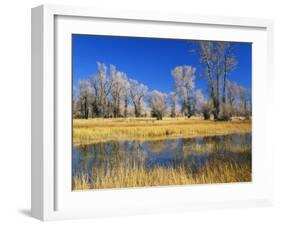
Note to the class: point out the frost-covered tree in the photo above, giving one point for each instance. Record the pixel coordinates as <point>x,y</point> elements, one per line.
<point>159,104</point>
<point>207,109</point>
<point>126,98</point>
<point>238,101</point>
<point>184,85</point>
<point>244,96</point>
<point>84,98</point>
<point>229,64</point>
<point>137,93</point>
<point>218,61</point>
<point>199,101</point>
<point>119,86</point>
<point>101,86</point>
<point>173,103</point>
<point>202,105</point>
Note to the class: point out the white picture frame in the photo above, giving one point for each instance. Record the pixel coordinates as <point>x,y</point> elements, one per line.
<point>51,196</point>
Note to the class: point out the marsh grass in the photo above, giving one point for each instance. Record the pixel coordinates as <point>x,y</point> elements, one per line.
<point>137,175</point>
<point>102,130</point>
<point>225,163</point>
<point>118,167</point>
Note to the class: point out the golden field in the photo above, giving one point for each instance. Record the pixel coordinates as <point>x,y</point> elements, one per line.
<point>87,131</point>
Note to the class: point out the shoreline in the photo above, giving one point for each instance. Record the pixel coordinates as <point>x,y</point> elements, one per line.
<point>104,130</point>
<point>156,138</point>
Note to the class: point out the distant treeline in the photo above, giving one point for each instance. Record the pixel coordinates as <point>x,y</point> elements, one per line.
<point>111,94</point>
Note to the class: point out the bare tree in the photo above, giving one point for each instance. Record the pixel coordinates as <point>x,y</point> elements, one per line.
<point>118,89</point>
<point>205,49</point>
<point>202,105</point>
<point>101,89</point>
<point>232,95</point>
<point>229,64</point>
<point>199,101</point>
<point>219,60</point>
<point>184,84</point>
<point>244,99</point>
<point>126,97</point>
<point>84,97</point>
<point>217,56</point>
<point>137,93</point>
<point>238,100</point>
<point>159,104</point>
<point>173,103</point>
<point>207,109</point>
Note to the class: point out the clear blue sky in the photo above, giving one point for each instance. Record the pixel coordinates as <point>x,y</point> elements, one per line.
<point>149,60</point>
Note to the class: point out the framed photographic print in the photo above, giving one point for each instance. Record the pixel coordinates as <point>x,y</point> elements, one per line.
<point>137,112</point>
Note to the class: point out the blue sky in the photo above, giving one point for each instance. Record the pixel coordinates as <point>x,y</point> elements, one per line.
<point>149,60</point>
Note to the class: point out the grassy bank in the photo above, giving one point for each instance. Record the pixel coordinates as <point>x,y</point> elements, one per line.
<point>136,175</point>
<point>99,130</point>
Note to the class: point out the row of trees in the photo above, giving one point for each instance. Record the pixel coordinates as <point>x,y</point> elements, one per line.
<point>110,93</point>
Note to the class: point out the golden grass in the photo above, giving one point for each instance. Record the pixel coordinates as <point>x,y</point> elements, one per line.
<point>87,131</point>
<point>136,175</point>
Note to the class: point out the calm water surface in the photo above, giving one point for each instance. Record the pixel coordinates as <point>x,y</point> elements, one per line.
<point>192,152</point>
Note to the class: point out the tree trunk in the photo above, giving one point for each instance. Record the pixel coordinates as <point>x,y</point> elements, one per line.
<point>218,96</point>
<point>118,107</point>
<point>224,82</point>
<point>126,108</point>
<point>213,97</point>
<point>206,115</point>
<point>86,110</point>
<point>188,106</point>
<point>136,111</point>
<point>214,101</point>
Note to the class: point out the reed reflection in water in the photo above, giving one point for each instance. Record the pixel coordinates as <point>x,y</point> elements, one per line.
<point>216,159</point>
